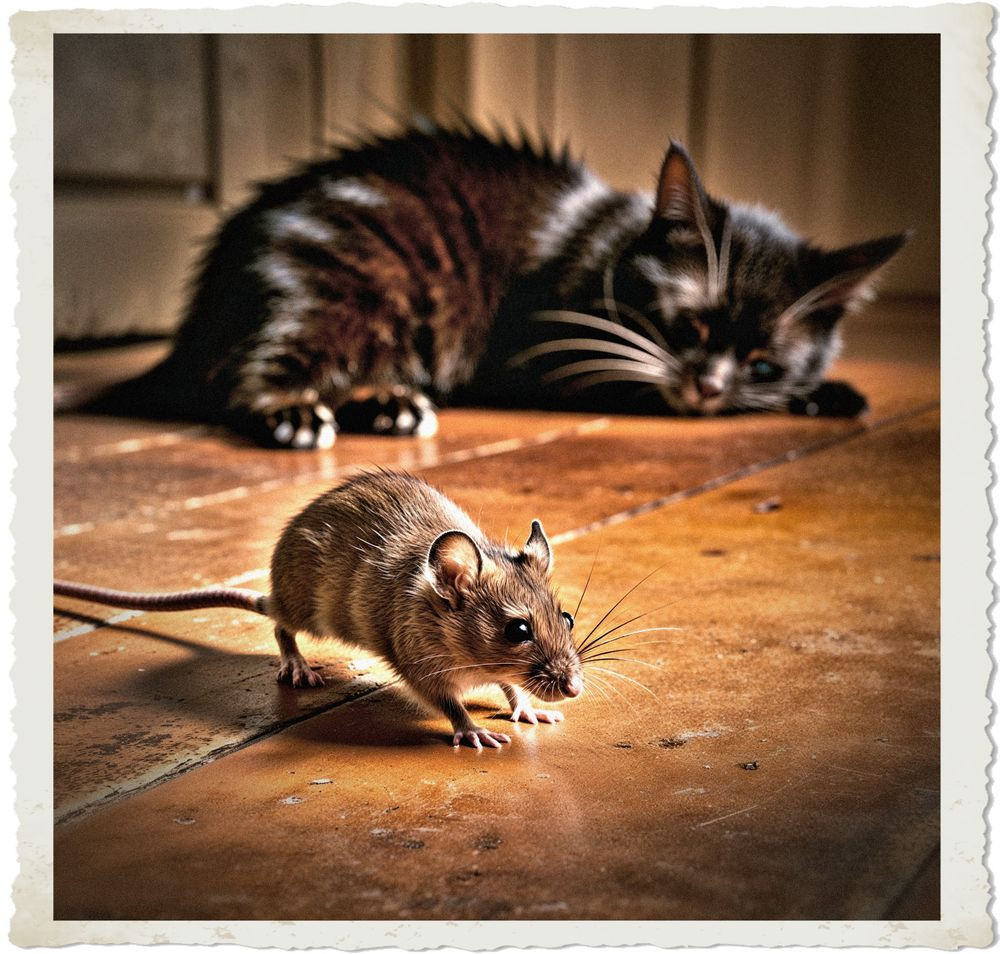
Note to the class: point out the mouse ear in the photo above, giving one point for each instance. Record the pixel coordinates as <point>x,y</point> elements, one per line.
<point>453,566</point>
<point>537,548</point>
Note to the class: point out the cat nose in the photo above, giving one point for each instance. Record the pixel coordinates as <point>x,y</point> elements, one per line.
<point>708,387</point>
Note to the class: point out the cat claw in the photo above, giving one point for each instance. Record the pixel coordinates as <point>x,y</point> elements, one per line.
<point>303,428</point>
<point>400,414</point>
<point>476,737</point>
<point>525,713</point>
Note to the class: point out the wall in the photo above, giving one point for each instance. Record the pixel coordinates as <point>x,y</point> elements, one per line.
<point>157,136</point>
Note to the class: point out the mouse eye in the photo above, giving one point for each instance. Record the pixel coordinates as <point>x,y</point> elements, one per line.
<point>569,619</point>
<point>518,631</point>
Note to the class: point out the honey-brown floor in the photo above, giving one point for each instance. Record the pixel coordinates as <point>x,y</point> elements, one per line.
<point>773,754</point>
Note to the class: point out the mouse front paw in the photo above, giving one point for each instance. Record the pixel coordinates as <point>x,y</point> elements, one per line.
<point>477,738</point>
<point>525,713</point>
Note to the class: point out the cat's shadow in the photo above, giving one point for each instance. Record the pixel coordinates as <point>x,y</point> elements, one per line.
<point>235,697</point>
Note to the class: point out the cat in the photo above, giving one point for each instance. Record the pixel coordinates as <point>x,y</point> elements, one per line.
<point>446,264</point>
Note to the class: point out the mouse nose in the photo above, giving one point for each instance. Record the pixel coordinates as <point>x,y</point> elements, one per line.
<point>572,686</point>
<point>708,386</point>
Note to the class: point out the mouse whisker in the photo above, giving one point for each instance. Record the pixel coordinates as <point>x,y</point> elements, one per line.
<point>576,612</point>
<point>613,688</point>
<point>622,600</point>
<point>601,643</point>
<point>625,659</point>
<point>595,685</point>
<point>592,641</point>
<point>635,682</point>
<point>606,698</point>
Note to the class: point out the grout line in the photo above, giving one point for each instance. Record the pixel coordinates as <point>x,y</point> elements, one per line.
<point>452,457</point>
<point>612,520</point>
<point>192,503</point>
<point>74,455</point>
<point>227,748</point>
<point>714,483</point>
<point>609,521</point>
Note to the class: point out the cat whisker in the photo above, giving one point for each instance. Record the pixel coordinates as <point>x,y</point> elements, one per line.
<point>609,303</point>
<point>581,344</point>
<point>639,318</point>
<point>603,324</point>
<point>603,364</point>
<point>724,254</point>
<point>594,379</point>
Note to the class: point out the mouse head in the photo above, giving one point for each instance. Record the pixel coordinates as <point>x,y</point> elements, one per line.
<point>497,610</point>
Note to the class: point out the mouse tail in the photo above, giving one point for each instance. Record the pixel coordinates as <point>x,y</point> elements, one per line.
<point>223,596</point>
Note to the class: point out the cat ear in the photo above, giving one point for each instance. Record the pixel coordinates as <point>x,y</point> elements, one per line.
<point>679,193</point>
<point>537,548</point>
<point>453,566</point>
<point>843,277</point>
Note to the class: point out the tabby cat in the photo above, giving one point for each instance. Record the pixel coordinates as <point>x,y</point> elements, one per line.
<point>446,264</point>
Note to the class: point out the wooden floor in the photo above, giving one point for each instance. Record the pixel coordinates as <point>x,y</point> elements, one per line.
<point>773,755</point>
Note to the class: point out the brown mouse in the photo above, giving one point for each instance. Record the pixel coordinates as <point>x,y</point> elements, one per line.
<point>389,564</point>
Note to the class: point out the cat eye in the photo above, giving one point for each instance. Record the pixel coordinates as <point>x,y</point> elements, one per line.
<point>518,631</point>
<point>763,370</point>
<point>569,619</point>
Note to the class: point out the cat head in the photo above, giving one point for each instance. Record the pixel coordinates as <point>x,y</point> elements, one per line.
<point>739,311</point>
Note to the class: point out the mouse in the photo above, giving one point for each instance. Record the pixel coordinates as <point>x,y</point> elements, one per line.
<point>387,563</point>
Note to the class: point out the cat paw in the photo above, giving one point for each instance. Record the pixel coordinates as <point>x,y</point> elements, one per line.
<point>831,399</point>
<point>525,713</point>
<point>307,427</point>
<point>298,673</point>
<point>403,413</point>
<point>477,738</point>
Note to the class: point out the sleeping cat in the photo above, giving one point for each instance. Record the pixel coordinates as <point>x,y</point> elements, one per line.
<point>446,264</point>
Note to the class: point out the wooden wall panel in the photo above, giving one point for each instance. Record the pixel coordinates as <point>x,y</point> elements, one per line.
<point>838,133</point>
<point>892,159</point>
<point>510,82</point>
<point>365,85</point>
<point>130,107</point>
<point>758,103</point>
<point>619,99</point>
<point>121,263</point>
<point>266,110</point>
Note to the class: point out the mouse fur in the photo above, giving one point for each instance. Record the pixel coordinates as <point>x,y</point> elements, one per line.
<point>387,563</point>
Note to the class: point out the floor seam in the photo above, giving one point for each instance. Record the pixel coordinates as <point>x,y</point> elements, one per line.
<point>621,517</point>
<point>480,451</point>
<point>722,480</point>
